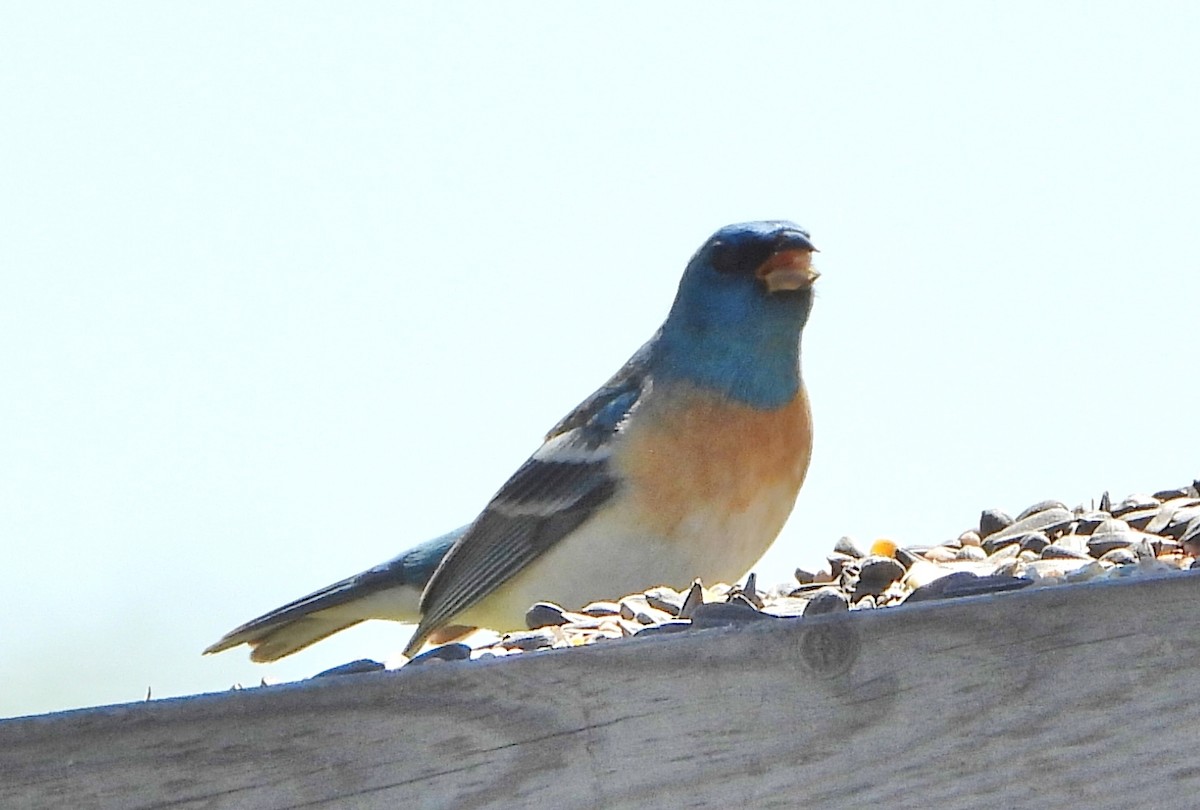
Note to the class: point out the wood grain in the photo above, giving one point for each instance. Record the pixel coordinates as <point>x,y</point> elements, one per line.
<point>1067,696</point>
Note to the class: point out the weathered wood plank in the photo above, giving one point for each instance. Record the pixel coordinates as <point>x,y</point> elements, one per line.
<point>1069,696</point>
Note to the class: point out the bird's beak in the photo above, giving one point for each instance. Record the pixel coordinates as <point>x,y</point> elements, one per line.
<point>788,270</point>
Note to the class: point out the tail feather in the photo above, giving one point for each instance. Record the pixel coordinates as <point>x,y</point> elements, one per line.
<point>306,621</point>
<point>293,637</point>
<point>391,590</point>
<point>272,637</point>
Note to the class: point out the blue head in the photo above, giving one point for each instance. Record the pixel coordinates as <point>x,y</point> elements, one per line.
<point>736,321</point>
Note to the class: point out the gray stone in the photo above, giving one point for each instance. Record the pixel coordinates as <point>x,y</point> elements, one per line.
<point>805,577</point>
<point>1166,511</point>
<point>717,614</point>
<point>905,557</point>
<point>636,608</point>
<point>612,628</point>
<point>1000,540</point>
<point>972,553</point>
<point>827,600</point>
<point>545,614</point>
<point>1007,552</point>
<point>541,639</point>
<point>751,583</point>
<point>941,554</point>
<point>939,588</point>
<point>992,521</point>
<point>600,609</point>
<point>876,573</point>
<point>694,598</point>
<point>1133,503</point>
<point>665,599</point>
<point>635,602</point>
<point>1057,552</point>
<point>1171,494</point>
<point>1087,522</point>
<point>673,626</point>
<point>1008,566</point>
<point>1100,543</point>
<point>1139,518</point>
<point>583,620</point>
<point>786,606</point>
<point>1073,542</point>
<point>1111,525</point>
<point>964,583</point>
<point>652,616</point>
<point>849,547</point>
<point>1119,556</point>
<point>367,665</point>
<point>1040,506</point>
<point>446,652</point>
<point>1180,521</point>
<point>1033,541</point>
<point>1052,521</point>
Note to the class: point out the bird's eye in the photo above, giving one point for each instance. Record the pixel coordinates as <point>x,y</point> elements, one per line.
<point>722,256</point>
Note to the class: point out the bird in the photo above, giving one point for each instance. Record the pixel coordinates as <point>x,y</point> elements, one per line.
<point>684,465</point>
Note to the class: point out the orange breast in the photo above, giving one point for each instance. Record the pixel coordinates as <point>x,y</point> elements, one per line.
<point>688,450</point>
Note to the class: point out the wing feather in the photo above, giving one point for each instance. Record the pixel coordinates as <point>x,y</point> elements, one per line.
<point>552,494</point>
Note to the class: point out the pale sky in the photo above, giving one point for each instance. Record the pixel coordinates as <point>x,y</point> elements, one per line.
<point>286,288</point>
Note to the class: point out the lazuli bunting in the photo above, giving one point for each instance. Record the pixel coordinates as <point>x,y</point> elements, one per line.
<point>684,465</point>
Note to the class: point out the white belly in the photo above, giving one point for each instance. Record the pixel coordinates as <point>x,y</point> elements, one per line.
<point>614,554</point>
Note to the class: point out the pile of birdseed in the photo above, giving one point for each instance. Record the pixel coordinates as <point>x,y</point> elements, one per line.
<point>1046,544</point>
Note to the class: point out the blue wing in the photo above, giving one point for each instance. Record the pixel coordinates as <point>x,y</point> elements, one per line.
<point>556,490</point>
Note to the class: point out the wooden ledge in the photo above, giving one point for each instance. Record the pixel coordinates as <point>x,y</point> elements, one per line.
<point>1064,696</point>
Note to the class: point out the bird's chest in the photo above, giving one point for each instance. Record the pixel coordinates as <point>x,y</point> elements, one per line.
<point>703,470</point>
